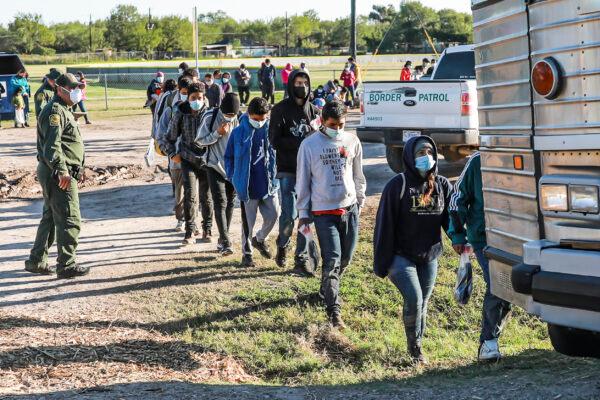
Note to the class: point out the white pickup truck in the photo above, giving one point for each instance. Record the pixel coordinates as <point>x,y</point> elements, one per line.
<point>444,108</point>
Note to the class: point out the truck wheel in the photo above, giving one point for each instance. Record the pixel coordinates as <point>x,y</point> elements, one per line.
<point>574,342</point>
<point>394,158</point>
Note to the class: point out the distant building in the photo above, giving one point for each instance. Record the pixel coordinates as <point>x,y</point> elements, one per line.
<point>242,48</point>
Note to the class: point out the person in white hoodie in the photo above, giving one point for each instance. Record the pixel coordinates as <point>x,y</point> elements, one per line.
<point>331,191</point>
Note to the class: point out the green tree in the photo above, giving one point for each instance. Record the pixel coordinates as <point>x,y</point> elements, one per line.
<point>455,26</point>
<point>123,28</point>
<point>176,33</point>
<point>71,37</point>
<point>31,35</point>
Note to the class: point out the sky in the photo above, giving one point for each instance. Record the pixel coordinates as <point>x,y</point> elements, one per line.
<point>70,10</point>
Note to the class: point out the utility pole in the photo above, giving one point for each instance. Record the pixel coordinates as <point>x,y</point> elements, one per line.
<point>287,35</point>
<point>91,48</point>
<point>353,28</point>
<point>196,31</point>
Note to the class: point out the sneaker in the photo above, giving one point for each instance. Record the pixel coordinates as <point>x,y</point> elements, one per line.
<point>321,293</point>
<point>262,247</point>
<point>489,351</point>
<point>26,124</point>
<point>180,226</point>
<point>226,251</point>
<point>281,257</point>
<point>38,268</point>
<point>71,271</point>
<point>302,270</point>
<point>206,236</point>
<point>188,240</point>
<point>220,246</point>
<point>247,261</point>
<point>88,122</point>
<point>335,320</point>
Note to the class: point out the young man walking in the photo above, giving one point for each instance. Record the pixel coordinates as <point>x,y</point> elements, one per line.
<point>292,120</point>
<point>183,127</point>
<point>213,134</point>
<point>267,77</point>
<point>250,165</point>
<point>466,209</point>
<point>331,191</point>
<point>242,78</point>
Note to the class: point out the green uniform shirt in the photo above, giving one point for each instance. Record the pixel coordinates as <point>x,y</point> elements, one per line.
<point>59,141</point>
<point>43,95</point>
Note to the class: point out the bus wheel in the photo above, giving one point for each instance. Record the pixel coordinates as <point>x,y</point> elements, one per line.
<point>574,342</point>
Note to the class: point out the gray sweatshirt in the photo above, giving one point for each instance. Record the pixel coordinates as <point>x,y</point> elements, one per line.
<point>216,143</point>
<point>329,174</point>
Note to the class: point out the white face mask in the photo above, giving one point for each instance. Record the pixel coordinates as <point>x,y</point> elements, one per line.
<point>225,80</point>
<point>257,124</point>
<point>333,133</point>
<point>180,71</point>
<point>209,83</point>
<point>196,105</point>
<point>160,79</point>
<point>227,119</point>
<point>75,95</point>
<point>183,97</point>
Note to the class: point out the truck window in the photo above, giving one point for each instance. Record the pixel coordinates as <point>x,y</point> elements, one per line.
<point>460,65</point>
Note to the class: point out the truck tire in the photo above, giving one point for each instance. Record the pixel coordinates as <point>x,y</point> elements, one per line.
<point>394,158</point>
<point>574,342</point>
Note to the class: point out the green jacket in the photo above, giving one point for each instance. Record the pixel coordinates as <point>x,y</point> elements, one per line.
<point>59,141</point>
<point>42,96</point>
<point>466,207</point>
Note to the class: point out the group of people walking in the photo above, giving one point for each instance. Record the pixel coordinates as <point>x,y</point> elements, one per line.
<point>295,166</point>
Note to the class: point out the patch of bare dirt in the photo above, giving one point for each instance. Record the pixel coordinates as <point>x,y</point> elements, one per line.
<point>67,355</point>
<point>24,184</point>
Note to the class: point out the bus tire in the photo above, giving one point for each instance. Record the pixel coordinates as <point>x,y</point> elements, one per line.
<point>574,342</point>
<point>394,158</point>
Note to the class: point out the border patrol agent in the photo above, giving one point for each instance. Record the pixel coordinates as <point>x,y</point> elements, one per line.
<point>45,93</point>
<point>61,159</point>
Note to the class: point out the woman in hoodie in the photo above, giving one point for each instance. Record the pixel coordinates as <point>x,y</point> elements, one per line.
<point>412,212</point>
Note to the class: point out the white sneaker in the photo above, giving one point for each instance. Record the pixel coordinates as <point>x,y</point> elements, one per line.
<point>180,226</point>
<point>489,351</point>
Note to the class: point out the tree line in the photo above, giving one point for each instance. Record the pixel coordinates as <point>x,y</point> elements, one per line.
<point>386,29</point>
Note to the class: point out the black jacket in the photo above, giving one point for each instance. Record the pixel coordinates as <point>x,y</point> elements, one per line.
<point>185,124</point>
<point>405,226</point>
<point>290,124</point>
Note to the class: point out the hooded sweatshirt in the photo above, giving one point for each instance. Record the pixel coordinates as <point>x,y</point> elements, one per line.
<point>290,124</point>
<point>183,126</point>
<point>406,226</point>
<point>215,143</point>
<point>285,73</point>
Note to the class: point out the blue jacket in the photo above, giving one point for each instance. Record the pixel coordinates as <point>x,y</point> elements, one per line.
<point>237,159</point>
<point>15,82</point>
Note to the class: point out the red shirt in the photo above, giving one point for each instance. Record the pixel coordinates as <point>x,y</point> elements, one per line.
<point>348,78</point>
<point>405,75</point>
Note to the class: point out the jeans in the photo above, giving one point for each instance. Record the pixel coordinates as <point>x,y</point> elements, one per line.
<point>307,254</point>
<point>337,235</point>
<point>495,309</point>
<point>268,92</point>
<point>269,210</point>
<point>244,92</point>
<point>415,282</point>
<point>81,105</point>
<point>177,180</point>
<point>350,93</point>
<point>223,195</point>
<point>196,189</point>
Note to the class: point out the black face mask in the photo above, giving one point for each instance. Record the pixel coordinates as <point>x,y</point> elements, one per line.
<point>300,91</point>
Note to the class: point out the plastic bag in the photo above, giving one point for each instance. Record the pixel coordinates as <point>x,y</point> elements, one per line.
<point>150,153</point>
<point>464,279</point>
<point>305,231</point>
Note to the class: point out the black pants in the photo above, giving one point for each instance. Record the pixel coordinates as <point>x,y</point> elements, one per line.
<point>223,195</point>
<point>268,92</point>
<point>196,189</point>
<point>244,92</point>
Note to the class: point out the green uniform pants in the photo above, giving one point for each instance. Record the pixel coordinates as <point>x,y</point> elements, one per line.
<point>60,218</point>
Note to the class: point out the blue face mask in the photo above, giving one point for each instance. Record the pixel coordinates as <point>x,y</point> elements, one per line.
<point>424,163</point>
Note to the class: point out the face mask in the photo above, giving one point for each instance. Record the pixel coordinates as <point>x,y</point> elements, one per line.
<point>225,80</point>
<point>75,95</point>
<point>424,163</point>
<point>333,133</point>
<point>300,91</point>
<point>257,124</point>
<point>209,83</point>
<point>183,97</point>
<point>228,119</point>
<point>180,71</point>
<point>196,105</point>
<point>160,79</point>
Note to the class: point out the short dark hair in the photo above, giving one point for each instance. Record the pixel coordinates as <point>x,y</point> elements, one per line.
<point>184,82</point>
<point>267,60</point>
<point>184,66</point>
<point>258,106</point>
<point>170,85</point>
<point>226,72</point>
<point>190,72</point>
<point>425,60</point>
<point>242,66</point>
<point>335,109</point>
<point>196,87</point>
<point>216,72</point>
<point>351,59</point>
<point>208,75</point>
<point>80,74</point>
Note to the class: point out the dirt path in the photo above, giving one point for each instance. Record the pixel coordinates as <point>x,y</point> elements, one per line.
<point>90,338</point>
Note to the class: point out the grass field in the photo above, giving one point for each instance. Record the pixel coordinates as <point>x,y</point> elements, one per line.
<point>276,325</point>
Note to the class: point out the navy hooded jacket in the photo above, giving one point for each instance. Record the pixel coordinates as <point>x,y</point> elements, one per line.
<point>405,225</point>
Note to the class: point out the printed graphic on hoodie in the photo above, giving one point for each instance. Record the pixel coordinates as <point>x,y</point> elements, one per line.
<point>418,204</point>
<point>337,159</point>
<point>304,128</point>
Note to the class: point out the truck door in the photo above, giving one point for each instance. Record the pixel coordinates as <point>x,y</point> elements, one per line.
<point>502,57</point>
